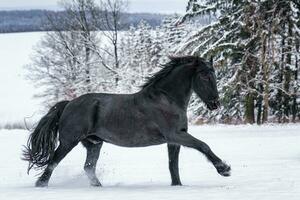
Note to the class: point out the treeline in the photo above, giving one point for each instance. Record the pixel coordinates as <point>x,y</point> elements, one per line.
<point>36,20</point>
<point>254,46</point>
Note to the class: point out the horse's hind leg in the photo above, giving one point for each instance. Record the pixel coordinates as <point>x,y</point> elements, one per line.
<point>93,151</point>
<point>62,150</point>
<point>185,139</point>
<point>173,152</point>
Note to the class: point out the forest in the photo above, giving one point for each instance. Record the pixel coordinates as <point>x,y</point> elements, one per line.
<point>253,45</point>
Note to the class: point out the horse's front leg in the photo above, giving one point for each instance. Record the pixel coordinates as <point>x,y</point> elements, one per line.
<point>185,139</point>
<point>173,152</point>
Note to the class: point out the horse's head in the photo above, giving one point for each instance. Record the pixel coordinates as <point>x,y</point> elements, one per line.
<point>204,84</point>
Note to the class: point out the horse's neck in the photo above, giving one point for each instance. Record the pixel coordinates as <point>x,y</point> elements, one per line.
<point>177,86</point>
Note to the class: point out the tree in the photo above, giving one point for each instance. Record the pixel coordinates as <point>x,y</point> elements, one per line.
<point>70,61</point>
<point>109,20</point>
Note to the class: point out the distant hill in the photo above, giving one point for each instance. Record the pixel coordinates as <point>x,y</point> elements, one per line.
<point>33,20</point>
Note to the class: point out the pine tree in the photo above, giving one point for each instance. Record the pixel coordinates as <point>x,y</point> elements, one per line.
<point>243,41</point>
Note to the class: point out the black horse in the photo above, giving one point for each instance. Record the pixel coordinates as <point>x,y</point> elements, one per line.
<point>154,115</point>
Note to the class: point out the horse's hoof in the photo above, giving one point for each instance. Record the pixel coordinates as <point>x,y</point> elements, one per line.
<point>223,169</point>
<point>96,184</point>
<point>176,184</point>
<point>41,184</point>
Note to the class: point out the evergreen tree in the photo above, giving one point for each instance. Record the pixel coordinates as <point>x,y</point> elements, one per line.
<point>243,41</point>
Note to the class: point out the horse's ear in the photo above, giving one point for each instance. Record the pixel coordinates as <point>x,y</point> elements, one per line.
<point>211,60</point>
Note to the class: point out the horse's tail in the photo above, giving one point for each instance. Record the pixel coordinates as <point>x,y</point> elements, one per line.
<point>43,140</point>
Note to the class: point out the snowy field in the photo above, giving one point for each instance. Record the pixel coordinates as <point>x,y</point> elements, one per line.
<point>265,162</point>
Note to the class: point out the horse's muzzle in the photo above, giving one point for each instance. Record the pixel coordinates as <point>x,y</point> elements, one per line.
<point>212,105</point>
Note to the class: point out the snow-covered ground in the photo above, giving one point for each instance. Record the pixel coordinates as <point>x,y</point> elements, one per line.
<point>265,160</point>
<point>265,164</point>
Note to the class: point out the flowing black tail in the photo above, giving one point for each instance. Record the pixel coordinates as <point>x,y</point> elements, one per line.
<point>43,140</point>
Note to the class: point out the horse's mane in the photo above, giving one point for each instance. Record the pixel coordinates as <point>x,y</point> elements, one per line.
<point>168,68</point>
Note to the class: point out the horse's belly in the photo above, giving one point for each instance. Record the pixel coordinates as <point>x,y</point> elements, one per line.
<point>127,138</point>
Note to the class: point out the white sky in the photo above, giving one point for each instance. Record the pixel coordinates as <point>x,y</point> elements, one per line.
<point>153,6</point>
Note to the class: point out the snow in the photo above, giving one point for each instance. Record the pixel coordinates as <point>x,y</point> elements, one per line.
<point>16,92</point>
<point>265,162</point>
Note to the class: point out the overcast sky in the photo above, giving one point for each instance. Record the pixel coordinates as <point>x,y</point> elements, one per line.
<point>157,6</point>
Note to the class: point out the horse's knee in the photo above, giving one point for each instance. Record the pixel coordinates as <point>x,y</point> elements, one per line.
<point>185,139</point>
<point>180,138</point>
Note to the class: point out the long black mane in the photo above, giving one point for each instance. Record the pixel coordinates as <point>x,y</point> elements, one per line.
<point>168,68</point>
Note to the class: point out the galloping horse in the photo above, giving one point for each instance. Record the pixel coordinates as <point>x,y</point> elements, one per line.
<point>154,115</point>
